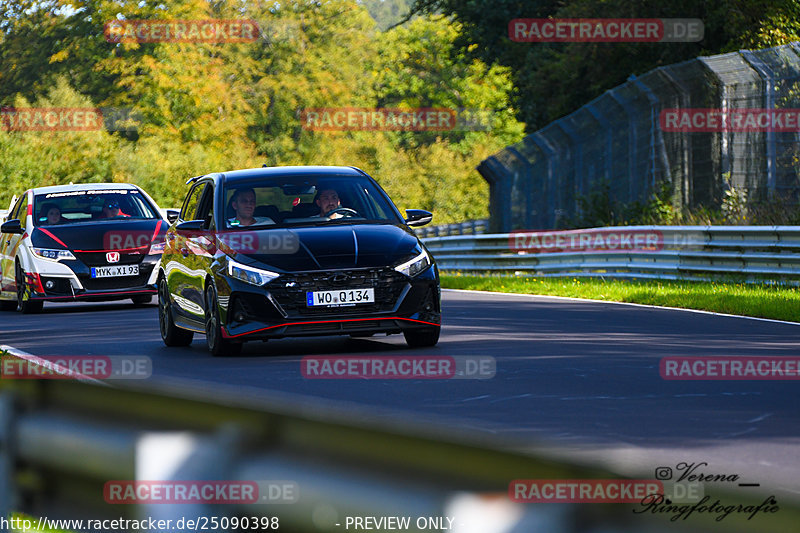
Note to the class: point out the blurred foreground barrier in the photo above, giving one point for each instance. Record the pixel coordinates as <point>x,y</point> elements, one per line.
<point>73,449</point>
<point>653,252</point>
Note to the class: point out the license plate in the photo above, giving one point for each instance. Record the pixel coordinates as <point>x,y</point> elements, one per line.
<point>115,271</point>
<point>343,297</point>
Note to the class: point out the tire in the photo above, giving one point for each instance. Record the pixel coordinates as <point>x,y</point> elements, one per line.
<point>143,299</point>
<point>24,304</point>
<point>171,334</point>
<point>216,344</point>
<point>422,338</point>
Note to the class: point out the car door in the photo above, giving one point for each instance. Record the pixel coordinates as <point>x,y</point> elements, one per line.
<point>9,245</point>
<point>203,246</point>
<point>181,265</point>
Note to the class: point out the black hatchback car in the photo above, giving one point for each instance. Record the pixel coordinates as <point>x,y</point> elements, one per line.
<point>294,251</point>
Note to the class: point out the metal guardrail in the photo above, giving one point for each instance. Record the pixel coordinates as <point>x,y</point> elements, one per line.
<point>685,252</point>
<point>470,227</point>
<point>62,440</point>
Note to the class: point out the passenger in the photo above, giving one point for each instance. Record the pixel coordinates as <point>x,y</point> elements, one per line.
<point>51,215</point>
<point>244,204</point>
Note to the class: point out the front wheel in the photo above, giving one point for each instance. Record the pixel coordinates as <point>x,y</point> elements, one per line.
<point>171,334</point>
<point>24,303</point>
<point>422,338</point>
<point>216,344</point>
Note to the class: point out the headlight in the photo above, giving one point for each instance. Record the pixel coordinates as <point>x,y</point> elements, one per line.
<point>53,255</point>
<point>414,266</point>
<point>254,276</point>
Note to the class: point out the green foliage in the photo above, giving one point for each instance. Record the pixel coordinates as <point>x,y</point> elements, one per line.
<point>387,13</point>
<point>553,79</point>
<point>598,208</point>
<point>211,107</point>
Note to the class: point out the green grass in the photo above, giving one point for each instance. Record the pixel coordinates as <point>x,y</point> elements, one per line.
<point>778,302</point>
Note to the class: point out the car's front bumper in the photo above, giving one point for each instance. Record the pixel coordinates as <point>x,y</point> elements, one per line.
<point>277,311</point>
<point>72,281</point>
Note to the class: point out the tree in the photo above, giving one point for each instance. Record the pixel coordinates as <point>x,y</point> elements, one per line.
<point>554,79</point>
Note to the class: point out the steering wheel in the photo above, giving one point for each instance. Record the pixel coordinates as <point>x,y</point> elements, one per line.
<point>344,211</point>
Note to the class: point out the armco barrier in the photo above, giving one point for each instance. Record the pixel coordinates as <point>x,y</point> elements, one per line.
<point>684,252</point>
<point>62,441</point>
<point>470,227</point>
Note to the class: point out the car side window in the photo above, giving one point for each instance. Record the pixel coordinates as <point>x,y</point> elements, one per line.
<point>189,211</point>
<point>16,212</point>
<point>205,208</point>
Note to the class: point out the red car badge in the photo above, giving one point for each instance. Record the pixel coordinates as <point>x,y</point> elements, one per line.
<point>112,257</point>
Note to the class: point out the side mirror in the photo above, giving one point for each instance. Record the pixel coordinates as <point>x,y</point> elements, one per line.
<point>418,217</point>
<point>190,225</point>
<point>172,215</point>
<point>12,226</point>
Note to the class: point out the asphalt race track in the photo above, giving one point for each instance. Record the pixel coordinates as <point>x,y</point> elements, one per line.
<point>575,378</point>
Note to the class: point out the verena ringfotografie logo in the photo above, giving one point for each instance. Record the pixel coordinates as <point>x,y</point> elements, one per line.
<point>722,120</point>
<point>398,367</point>
<point>75,367</point>
<point>605,30</point>
<point>196,491</point>
<point>390,119</point>
<point>583,490</point>
<point>586,241</point>
<point>730,368</point>
<point>184,31</point>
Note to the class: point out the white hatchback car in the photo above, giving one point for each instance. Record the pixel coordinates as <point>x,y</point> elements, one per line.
<point>96,241</point>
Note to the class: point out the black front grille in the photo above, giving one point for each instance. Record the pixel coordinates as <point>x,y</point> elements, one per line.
<point>119,282</point>
<point>290,290</point>
<point>94,259</point>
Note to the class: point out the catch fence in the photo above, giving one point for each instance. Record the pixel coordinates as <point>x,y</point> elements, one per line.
<point>621,141</point>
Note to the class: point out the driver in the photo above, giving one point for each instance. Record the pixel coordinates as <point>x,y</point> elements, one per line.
<point>327,200</point>
<point>111,209</point>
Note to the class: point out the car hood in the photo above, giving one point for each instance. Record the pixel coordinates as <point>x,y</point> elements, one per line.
<point>335,247</point>
<point>99,236</point>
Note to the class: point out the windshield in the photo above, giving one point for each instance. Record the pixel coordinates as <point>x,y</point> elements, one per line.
<point>73,207</point>
<point>287,201</point>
